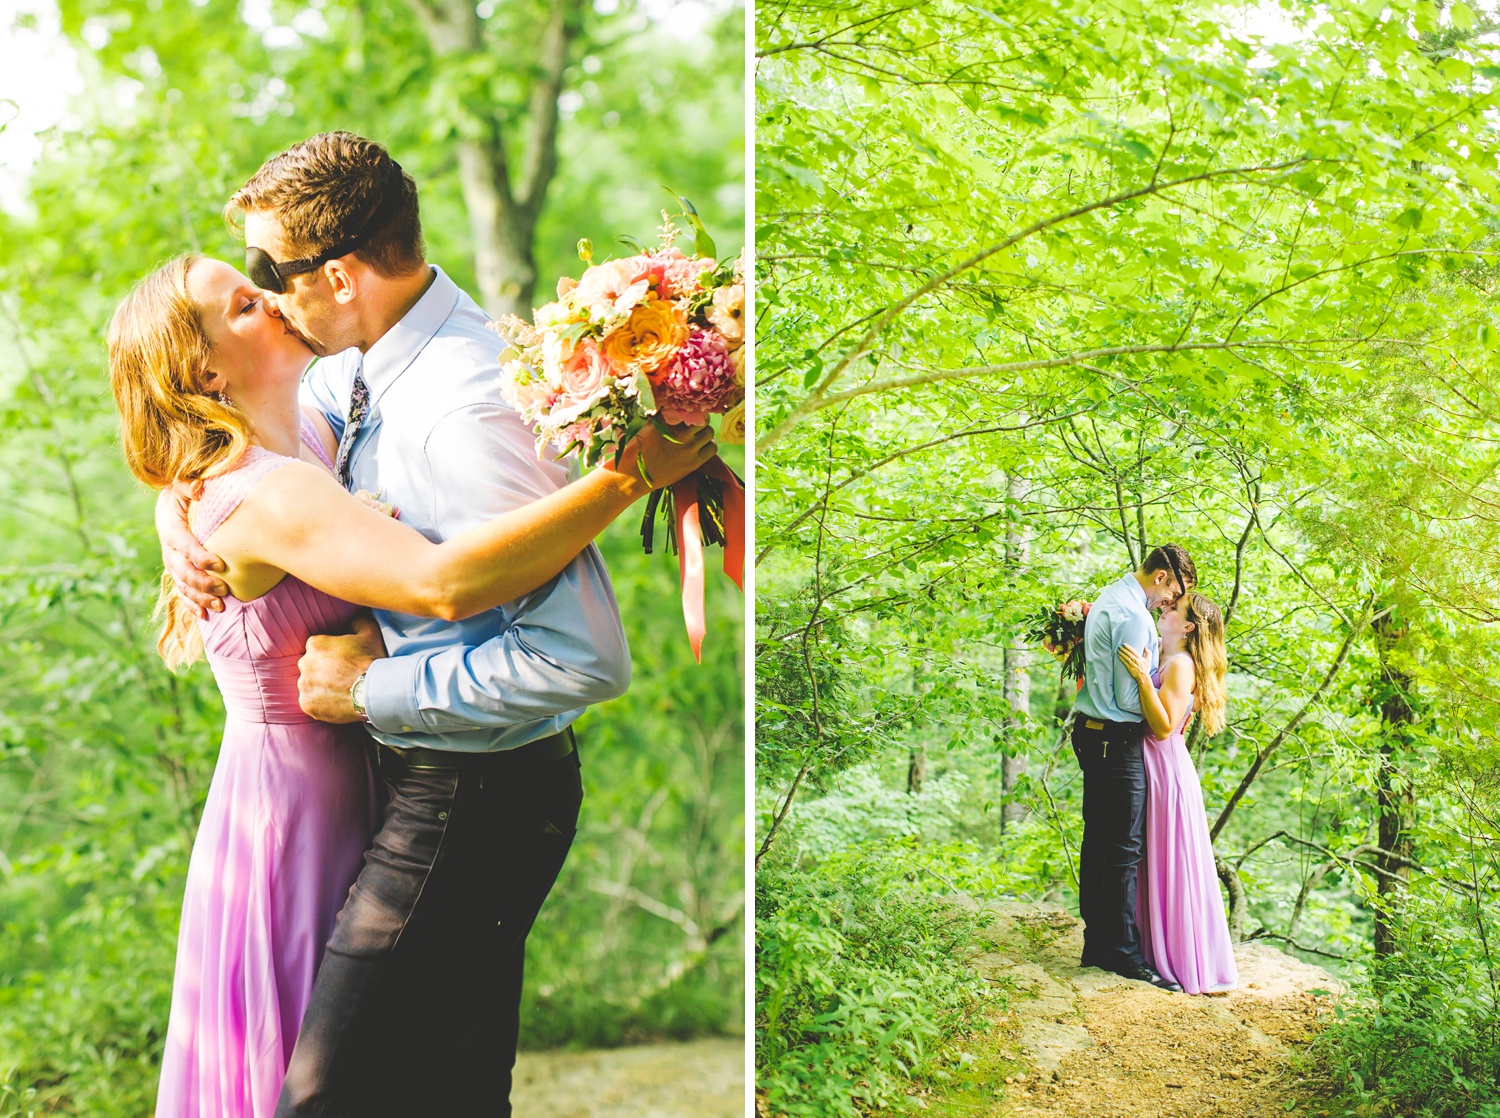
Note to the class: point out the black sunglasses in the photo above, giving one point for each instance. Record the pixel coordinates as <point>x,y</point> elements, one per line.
<point>268,275</point>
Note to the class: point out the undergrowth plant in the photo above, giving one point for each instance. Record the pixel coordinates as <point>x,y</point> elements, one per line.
<point>861,981</point>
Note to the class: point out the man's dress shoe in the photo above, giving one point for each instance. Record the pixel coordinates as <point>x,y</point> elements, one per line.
<point>1146,974</point>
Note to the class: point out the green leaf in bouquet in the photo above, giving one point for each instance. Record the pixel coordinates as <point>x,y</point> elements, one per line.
<point>703,244</point>
<point>634,428</point>
<point>644,392</point>
<point>567,450</point>
<point>661,425</point>
<point>630,243</point>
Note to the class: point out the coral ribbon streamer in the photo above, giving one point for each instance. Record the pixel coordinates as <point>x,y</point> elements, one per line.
<point>690,544</point>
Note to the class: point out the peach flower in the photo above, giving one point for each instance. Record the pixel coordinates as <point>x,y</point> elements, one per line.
<point>611,289</point>
<point>726,313</point>
<point>527,389</point>
<point>581,380</point>
<point>583,375</point>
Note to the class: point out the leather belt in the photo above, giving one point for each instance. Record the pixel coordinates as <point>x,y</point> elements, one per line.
<point>1107,729</point>
<point>552,748</point>
<point>1091,723</point>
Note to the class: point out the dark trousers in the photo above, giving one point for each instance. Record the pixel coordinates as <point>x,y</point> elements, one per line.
<point>416,1007</point>
<point>1114,832</point>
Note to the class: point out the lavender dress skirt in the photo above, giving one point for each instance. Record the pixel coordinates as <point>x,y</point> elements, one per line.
<point>1184,933</point>
<point>289,814</point>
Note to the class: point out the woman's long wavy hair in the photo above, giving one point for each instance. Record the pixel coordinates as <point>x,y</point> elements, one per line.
<point>172,427</point>
<point>1205,644</point>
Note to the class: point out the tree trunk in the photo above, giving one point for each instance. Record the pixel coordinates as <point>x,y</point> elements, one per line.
<point>1395,803</point>
<point>503,207</point>
<point>1013,763</point>
<point>916,770</point>
<point>1237,902</point>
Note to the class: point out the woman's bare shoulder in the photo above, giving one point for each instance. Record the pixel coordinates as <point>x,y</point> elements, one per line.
<point>1179,667</point>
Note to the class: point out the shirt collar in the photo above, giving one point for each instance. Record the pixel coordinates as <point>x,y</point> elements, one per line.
<point>1135,588</point>
<point>395,350</point>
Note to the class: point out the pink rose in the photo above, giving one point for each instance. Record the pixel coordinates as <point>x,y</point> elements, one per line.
<point>581,377</point>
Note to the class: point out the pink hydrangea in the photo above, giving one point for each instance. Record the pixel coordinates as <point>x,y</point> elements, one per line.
<point>696,382</point>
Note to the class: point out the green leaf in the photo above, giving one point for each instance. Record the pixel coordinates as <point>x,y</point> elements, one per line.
<point>645,392</point>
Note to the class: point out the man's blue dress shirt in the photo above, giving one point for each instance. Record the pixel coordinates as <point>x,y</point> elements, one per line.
<point>1118,617</point>
<point>444,447</point>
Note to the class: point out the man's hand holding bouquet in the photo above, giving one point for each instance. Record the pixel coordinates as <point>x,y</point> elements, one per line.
<point>656,338</point>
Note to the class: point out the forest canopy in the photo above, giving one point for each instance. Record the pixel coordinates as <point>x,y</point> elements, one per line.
<point>1045,285</point>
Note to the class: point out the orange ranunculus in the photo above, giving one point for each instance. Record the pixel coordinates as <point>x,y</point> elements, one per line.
<point>646,340</point>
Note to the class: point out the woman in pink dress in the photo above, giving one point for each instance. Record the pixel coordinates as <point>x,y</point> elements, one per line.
<point>1184,933</point>
<point>206,380</point>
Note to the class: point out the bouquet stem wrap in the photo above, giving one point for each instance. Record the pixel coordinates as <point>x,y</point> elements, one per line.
<point>690,542</point>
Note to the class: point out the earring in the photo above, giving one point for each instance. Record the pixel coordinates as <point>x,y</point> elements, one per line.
<point>223,398</point>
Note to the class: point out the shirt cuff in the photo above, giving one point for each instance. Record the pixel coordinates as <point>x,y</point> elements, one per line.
<point>391,694</point>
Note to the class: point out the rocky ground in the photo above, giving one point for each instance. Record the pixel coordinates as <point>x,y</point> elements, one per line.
<point>1076,1043</point>
<point>700,1079</point>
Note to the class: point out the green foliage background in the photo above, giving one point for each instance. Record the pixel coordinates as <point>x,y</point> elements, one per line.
<point>104,757</point>
<point>1043,284</point>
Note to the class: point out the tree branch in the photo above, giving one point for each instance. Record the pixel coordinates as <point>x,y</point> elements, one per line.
<point>814,400</point>
<point>1262,755</point>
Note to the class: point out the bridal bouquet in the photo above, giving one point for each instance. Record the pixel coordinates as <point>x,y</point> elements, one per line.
<point>657,337</point>
<point>1059,629</point>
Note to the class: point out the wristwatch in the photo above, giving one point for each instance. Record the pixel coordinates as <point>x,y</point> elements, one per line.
<point>357,696</point>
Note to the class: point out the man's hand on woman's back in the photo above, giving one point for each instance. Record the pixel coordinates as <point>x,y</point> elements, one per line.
<point>190,564</point>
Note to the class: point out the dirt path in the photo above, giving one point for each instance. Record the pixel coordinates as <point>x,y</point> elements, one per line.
<point>700,1079</point>
<point>1078,1043</point>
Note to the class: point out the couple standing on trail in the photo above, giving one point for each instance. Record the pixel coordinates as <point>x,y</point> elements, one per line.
<point>1148,891</point>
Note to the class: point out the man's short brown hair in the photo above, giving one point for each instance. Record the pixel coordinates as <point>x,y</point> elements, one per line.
<point>1175,560</point>
<point>330,188</point>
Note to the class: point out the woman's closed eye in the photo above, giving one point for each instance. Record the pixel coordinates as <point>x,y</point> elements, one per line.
<point>248,307</point>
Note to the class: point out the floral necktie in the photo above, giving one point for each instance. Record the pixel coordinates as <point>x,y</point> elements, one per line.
<point>359,408</point>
